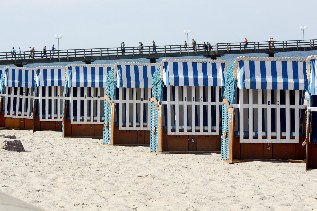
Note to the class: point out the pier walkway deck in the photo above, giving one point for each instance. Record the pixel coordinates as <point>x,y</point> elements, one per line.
<point>217,50</point>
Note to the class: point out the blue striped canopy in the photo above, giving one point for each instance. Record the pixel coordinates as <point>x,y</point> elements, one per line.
<point>50,76</point>
<point>135,75</point>
<point>88,75</point>
<point>271,73</point>
<point>19,77</point>
<point>313,76</point>
<point>193,72</point>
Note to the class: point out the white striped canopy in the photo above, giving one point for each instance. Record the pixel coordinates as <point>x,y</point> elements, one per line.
<point>19,77</point>
<point>313,76</point>
<point>135,75</point>
<point>193,72</point>
<point>50,76</point>
<point>93,75</point>
<point>271,73</point>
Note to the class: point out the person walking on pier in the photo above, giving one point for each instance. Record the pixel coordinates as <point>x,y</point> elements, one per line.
<point>13,53</point>
<point>33,52</point>
<point>185,45</point>
<point>122,48</point>
<point>154,46</point>
<point>194,45</point>
<point>140,47</point>
<point>44,52</point>
<point>205,47</point>
<point>245,43</point>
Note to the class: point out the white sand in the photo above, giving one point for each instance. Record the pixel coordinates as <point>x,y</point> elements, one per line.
<point>83,174</point>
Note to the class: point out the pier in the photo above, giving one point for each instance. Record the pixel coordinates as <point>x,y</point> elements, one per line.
<point>220,49</point>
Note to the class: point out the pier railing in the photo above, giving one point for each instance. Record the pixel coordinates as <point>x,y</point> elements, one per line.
<point>218,49</point>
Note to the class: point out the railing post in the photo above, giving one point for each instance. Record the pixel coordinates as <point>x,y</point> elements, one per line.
<point>297,44</point>
<point>133,51</point>
<point>240,47</point>
<point>100,52</point>
<point>165,49</point>
<point>67,54</point>
<point>75,53</point>
<point>91,52</point>
<point>117,52</point>
<point>84,53</point>
<point>217,47</point>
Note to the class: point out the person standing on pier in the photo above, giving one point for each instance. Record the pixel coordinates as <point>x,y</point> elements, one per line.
<point>30,52</point>
<point>140,47</point>
<point>53,51</point>
<point>44,52</point>
<point>122,48</point>
<point>154,46</point>
<point>185,45</point>
<point>13,53</point>
<point>209,47</point>
<point>19,53</point>
<point>194,45</point>
<point>33,52</point>
<point>271,43</point>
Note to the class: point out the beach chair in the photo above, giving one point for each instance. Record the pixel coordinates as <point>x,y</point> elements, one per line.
<point>84,106</point>
<point>186,118</point>
<point>2,97</point>
<point>131,96</point>
<point>263,111</point>
<point>50,82</point>
<point>19,98</point>
<point>311,124</point>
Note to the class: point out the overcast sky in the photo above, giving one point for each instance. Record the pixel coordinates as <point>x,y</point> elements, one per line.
<point>106,23</point>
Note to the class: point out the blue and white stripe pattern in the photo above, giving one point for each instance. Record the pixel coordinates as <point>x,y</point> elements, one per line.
<point>1,81</point>
<point>50,76</point>
<point>19,77</point>
<point>193,72</point>
<point>135,75</point>
<point>313,76</point>
<point>271,73</point>
<point>88,75</point>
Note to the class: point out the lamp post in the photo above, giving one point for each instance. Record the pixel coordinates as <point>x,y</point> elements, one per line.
<point>58,37</point>
<point>187,32</point>
<point>302,28</point>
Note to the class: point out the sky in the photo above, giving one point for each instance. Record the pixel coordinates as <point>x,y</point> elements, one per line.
<point>106,23</point>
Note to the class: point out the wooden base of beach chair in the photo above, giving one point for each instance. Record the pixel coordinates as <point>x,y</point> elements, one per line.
<point>16,123</point>
<point>2,124</point>
<point>131,137</point>
<point>191,143</point>
<point>83,130</point>
<point>311,156</point>
<point>47,125</point>
<point>268,151</point>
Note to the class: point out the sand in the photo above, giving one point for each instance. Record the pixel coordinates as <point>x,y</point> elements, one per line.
<point>82,174</point>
